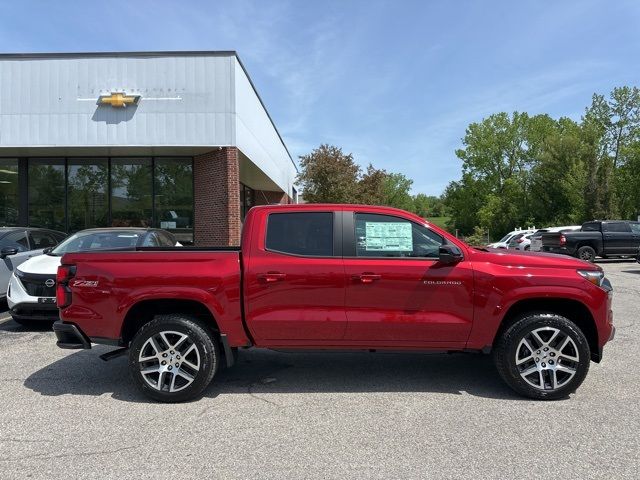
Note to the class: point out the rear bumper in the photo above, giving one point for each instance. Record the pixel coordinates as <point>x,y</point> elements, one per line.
<point>70,336</point>
<point>559,250</point>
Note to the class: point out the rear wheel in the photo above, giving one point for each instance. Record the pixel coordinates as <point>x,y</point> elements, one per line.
<point>543,356</point>
<point>586,253</point>
<point>173,358</point>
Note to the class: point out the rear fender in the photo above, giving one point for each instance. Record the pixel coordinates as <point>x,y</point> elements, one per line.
<point>225,313</point>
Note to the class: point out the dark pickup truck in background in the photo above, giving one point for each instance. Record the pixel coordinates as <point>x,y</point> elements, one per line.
<point>611,238</point>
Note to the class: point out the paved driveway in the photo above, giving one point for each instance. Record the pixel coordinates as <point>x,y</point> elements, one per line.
<point>279,415</point>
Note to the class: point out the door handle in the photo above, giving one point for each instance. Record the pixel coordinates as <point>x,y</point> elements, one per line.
<point>367,277</point>
<point>271,277</point>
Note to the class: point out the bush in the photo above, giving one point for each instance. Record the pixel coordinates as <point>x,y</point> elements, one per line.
<point>479,237</point>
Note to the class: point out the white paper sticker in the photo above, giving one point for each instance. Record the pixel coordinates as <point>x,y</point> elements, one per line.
<point>167,224</point>
<point>388,236</point>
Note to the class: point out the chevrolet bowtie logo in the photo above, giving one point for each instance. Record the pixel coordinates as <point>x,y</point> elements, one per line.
<point>119,99</point>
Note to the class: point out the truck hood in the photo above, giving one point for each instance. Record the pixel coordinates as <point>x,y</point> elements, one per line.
<point>519,258</point>
<point>42,264</point>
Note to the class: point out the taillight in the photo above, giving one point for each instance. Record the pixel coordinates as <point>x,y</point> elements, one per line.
<point>520,240</point>
<point>63,292</point>
<point>563,239</point>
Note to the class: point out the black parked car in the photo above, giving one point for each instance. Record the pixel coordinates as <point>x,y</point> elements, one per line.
<point>610,238</point>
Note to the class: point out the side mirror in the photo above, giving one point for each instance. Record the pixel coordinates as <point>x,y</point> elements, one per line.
<point>7,251</point>
<point>449,254</point>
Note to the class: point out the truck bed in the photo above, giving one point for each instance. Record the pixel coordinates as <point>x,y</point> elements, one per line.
<point>107,284</point>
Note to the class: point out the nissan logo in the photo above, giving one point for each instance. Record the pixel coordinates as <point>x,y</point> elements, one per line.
<point>50,282</point>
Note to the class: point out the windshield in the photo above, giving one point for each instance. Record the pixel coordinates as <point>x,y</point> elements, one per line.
<point>97,240</point>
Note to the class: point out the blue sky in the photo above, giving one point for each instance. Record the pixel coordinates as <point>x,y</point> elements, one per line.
<point>394,82</point>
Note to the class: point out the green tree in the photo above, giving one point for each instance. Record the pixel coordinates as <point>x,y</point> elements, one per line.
<point>397,191</point>
<point>617,121</point>
<point>497,157</point>
<point>329,175</point>
<point>371,185</point>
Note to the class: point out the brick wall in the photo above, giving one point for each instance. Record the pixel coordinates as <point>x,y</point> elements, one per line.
<point>216,177</point>
<point>265,197</point>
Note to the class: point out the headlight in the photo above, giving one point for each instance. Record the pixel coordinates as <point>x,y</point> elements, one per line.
<point>594,276</point>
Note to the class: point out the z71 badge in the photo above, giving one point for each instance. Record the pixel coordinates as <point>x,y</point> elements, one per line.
<point>84,283</point>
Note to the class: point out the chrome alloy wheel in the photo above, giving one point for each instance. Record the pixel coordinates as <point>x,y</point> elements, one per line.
<point>169,361</point>
<point>547,358</point>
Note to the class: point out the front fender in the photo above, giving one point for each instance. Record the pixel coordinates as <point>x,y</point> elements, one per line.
<point>490,311</point>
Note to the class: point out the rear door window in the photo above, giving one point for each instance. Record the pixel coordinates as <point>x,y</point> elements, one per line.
<point>41,239</point>
<point>165,240</point>
<point>301,233</point>
<point>151,240</point>
<point>591,227</point>
<point>635,227</point>
<point>58,236</point>
<point>617,227</point>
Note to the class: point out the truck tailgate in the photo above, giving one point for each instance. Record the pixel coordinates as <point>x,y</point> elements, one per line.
<point>551,239</point>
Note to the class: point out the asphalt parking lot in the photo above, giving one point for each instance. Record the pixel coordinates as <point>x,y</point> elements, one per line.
<point>279,415</point>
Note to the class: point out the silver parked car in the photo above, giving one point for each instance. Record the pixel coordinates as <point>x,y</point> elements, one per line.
<point>19,244</point>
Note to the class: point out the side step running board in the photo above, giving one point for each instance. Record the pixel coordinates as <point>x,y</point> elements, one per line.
<point>114,354</point>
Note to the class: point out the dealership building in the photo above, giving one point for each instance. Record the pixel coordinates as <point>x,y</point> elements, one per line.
<point>177,140</point>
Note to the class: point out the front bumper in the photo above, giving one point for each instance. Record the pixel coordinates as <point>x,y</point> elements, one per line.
<point>70,336</point>
<point>35,312</point>
<point>26,307</point>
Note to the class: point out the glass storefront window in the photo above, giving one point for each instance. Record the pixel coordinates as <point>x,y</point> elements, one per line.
<point>71,194</point>
<point>131,189</point>
<point>9,189</point>
<point>247,200</point>
<point>174,196</point>
<point>87,200</point>
<point>47,193</point>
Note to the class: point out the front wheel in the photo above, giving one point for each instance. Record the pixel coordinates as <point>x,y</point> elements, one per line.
<point>543,356</point>
<point>173,358</point>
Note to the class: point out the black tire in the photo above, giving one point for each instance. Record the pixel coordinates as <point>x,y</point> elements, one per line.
<point>586,253</point>
<point>198,334</point>
<point>506,351</point>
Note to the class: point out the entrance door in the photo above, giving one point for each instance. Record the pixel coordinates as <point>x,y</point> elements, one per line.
<point>295,283</point>
<point>398,293</point>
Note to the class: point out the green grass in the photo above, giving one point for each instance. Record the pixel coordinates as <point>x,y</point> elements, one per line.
<point>439,221</point>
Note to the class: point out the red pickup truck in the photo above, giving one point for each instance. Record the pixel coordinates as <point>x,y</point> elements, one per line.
<point>335,277</point>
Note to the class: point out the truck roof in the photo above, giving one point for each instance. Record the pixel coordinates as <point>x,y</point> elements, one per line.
<point>340,206</point>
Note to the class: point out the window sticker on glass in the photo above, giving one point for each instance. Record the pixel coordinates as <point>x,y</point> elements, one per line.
<point>388,236</point>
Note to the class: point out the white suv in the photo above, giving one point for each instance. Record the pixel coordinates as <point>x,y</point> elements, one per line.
<point>31,295</point>
<point>504,241</point>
